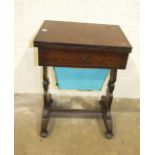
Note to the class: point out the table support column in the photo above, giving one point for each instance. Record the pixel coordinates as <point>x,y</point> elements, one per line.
<point>47,103</point>
<point>106,102</point>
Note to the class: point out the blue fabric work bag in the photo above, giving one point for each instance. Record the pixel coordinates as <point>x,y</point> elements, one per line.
<point>80,79</point>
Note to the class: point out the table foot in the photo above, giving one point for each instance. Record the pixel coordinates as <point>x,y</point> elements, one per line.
<point>44,133</point>
<point>109,134</point>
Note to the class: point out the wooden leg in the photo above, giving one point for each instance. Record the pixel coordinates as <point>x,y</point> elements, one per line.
<point>106,102</point>
<point>47,104</point>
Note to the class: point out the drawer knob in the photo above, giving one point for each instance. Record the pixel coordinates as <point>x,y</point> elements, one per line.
<point>84,58</point>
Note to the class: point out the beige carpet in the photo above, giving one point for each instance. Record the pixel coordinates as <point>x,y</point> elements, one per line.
<point>73,134</point>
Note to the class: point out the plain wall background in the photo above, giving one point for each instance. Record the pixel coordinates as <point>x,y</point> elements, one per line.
<point>29,15</point>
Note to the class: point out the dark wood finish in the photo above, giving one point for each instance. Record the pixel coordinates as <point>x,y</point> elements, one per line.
<point>65,110</point>
<point>106,102</point>
<point>85,45</point>
<point>82,35</point>
<point>82,57</point>
<point>82,45</point>
<point>47,103</point>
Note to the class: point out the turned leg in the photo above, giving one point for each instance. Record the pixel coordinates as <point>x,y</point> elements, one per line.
<point>47,104</point>
<point>106,102</point>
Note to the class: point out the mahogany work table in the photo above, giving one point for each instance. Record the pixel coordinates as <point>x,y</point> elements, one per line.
<point>82,45</point>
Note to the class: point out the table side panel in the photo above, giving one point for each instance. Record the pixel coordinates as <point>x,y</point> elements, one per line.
<point>84,58</point>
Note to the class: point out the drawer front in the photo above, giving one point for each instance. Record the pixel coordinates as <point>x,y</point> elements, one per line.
<point>82,58</point>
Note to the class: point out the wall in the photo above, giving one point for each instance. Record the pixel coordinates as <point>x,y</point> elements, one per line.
<point>29,15</point>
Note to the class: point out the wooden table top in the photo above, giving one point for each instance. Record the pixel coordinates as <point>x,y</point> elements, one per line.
<point>81,34</point>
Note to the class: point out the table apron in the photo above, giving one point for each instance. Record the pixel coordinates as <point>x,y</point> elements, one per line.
<point>82,58</point>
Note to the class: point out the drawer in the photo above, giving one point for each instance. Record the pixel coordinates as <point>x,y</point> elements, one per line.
<point>85,58</point>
